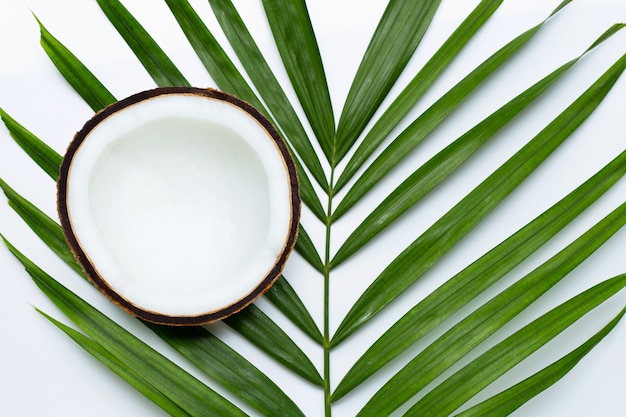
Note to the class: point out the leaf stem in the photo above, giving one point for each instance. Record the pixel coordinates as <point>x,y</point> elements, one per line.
<point>327,267</point>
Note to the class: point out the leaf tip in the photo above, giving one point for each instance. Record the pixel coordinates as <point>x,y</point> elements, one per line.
<point>41,26</point>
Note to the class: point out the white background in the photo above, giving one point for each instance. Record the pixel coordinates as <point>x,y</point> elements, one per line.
<point>42,373</point>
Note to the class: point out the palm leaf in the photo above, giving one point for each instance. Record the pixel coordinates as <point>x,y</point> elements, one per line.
<point>44,227</point>
<point>258,328</point>
<point>306,248</point>
<point>79,77</point>
<point>96,95</point>
<point>204,350</point>
<point>295,39</point>
<point>286,299</point>
<point>126,372</point>
<point>237,61</point>
<point>154,59</point>
<point>41,153</point>
<point>402,20</point>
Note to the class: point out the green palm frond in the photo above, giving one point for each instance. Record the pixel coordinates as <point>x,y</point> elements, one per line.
<point>411,292</point>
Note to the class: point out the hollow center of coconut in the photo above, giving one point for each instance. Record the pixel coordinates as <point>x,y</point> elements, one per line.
<point>182,205</point>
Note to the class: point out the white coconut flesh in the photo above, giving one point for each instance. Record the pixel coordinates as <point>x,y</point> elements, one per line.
<point>182,204</point>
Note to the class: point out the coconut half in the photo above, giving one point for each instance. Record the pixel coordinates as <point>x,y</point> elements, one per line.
<point>181,204</point>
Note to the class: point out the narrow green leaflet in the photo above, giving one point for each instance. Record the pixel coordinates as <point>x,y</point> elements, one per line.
<point>257,327</point>
<point>433,172</point>
<point>295,39</point>
<point>266,83</point>
<point>399,32</point>
<point>152,57</point>
<point>38,151</point>
<point>462,218</point>
<point>307,192</point>
<point>95,94</point>
<point>44,227</point>
<point>472,378</point>
<point>217,63</point>
<point>419,129</point>
<point>127,372</point>
<point>284,297</point>
<point>606,35</point>
<point>511,399</point>
<point>306,248</point>
<point>203,349</point>
<point>461,289</point>
<point>182,388</point>
<point>493,315</point>
<point>79,77</point>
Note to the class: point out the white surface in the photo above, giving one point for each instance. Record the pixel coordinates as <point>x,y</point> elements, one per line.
<point>42,373</point>
<point>167,196</point>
